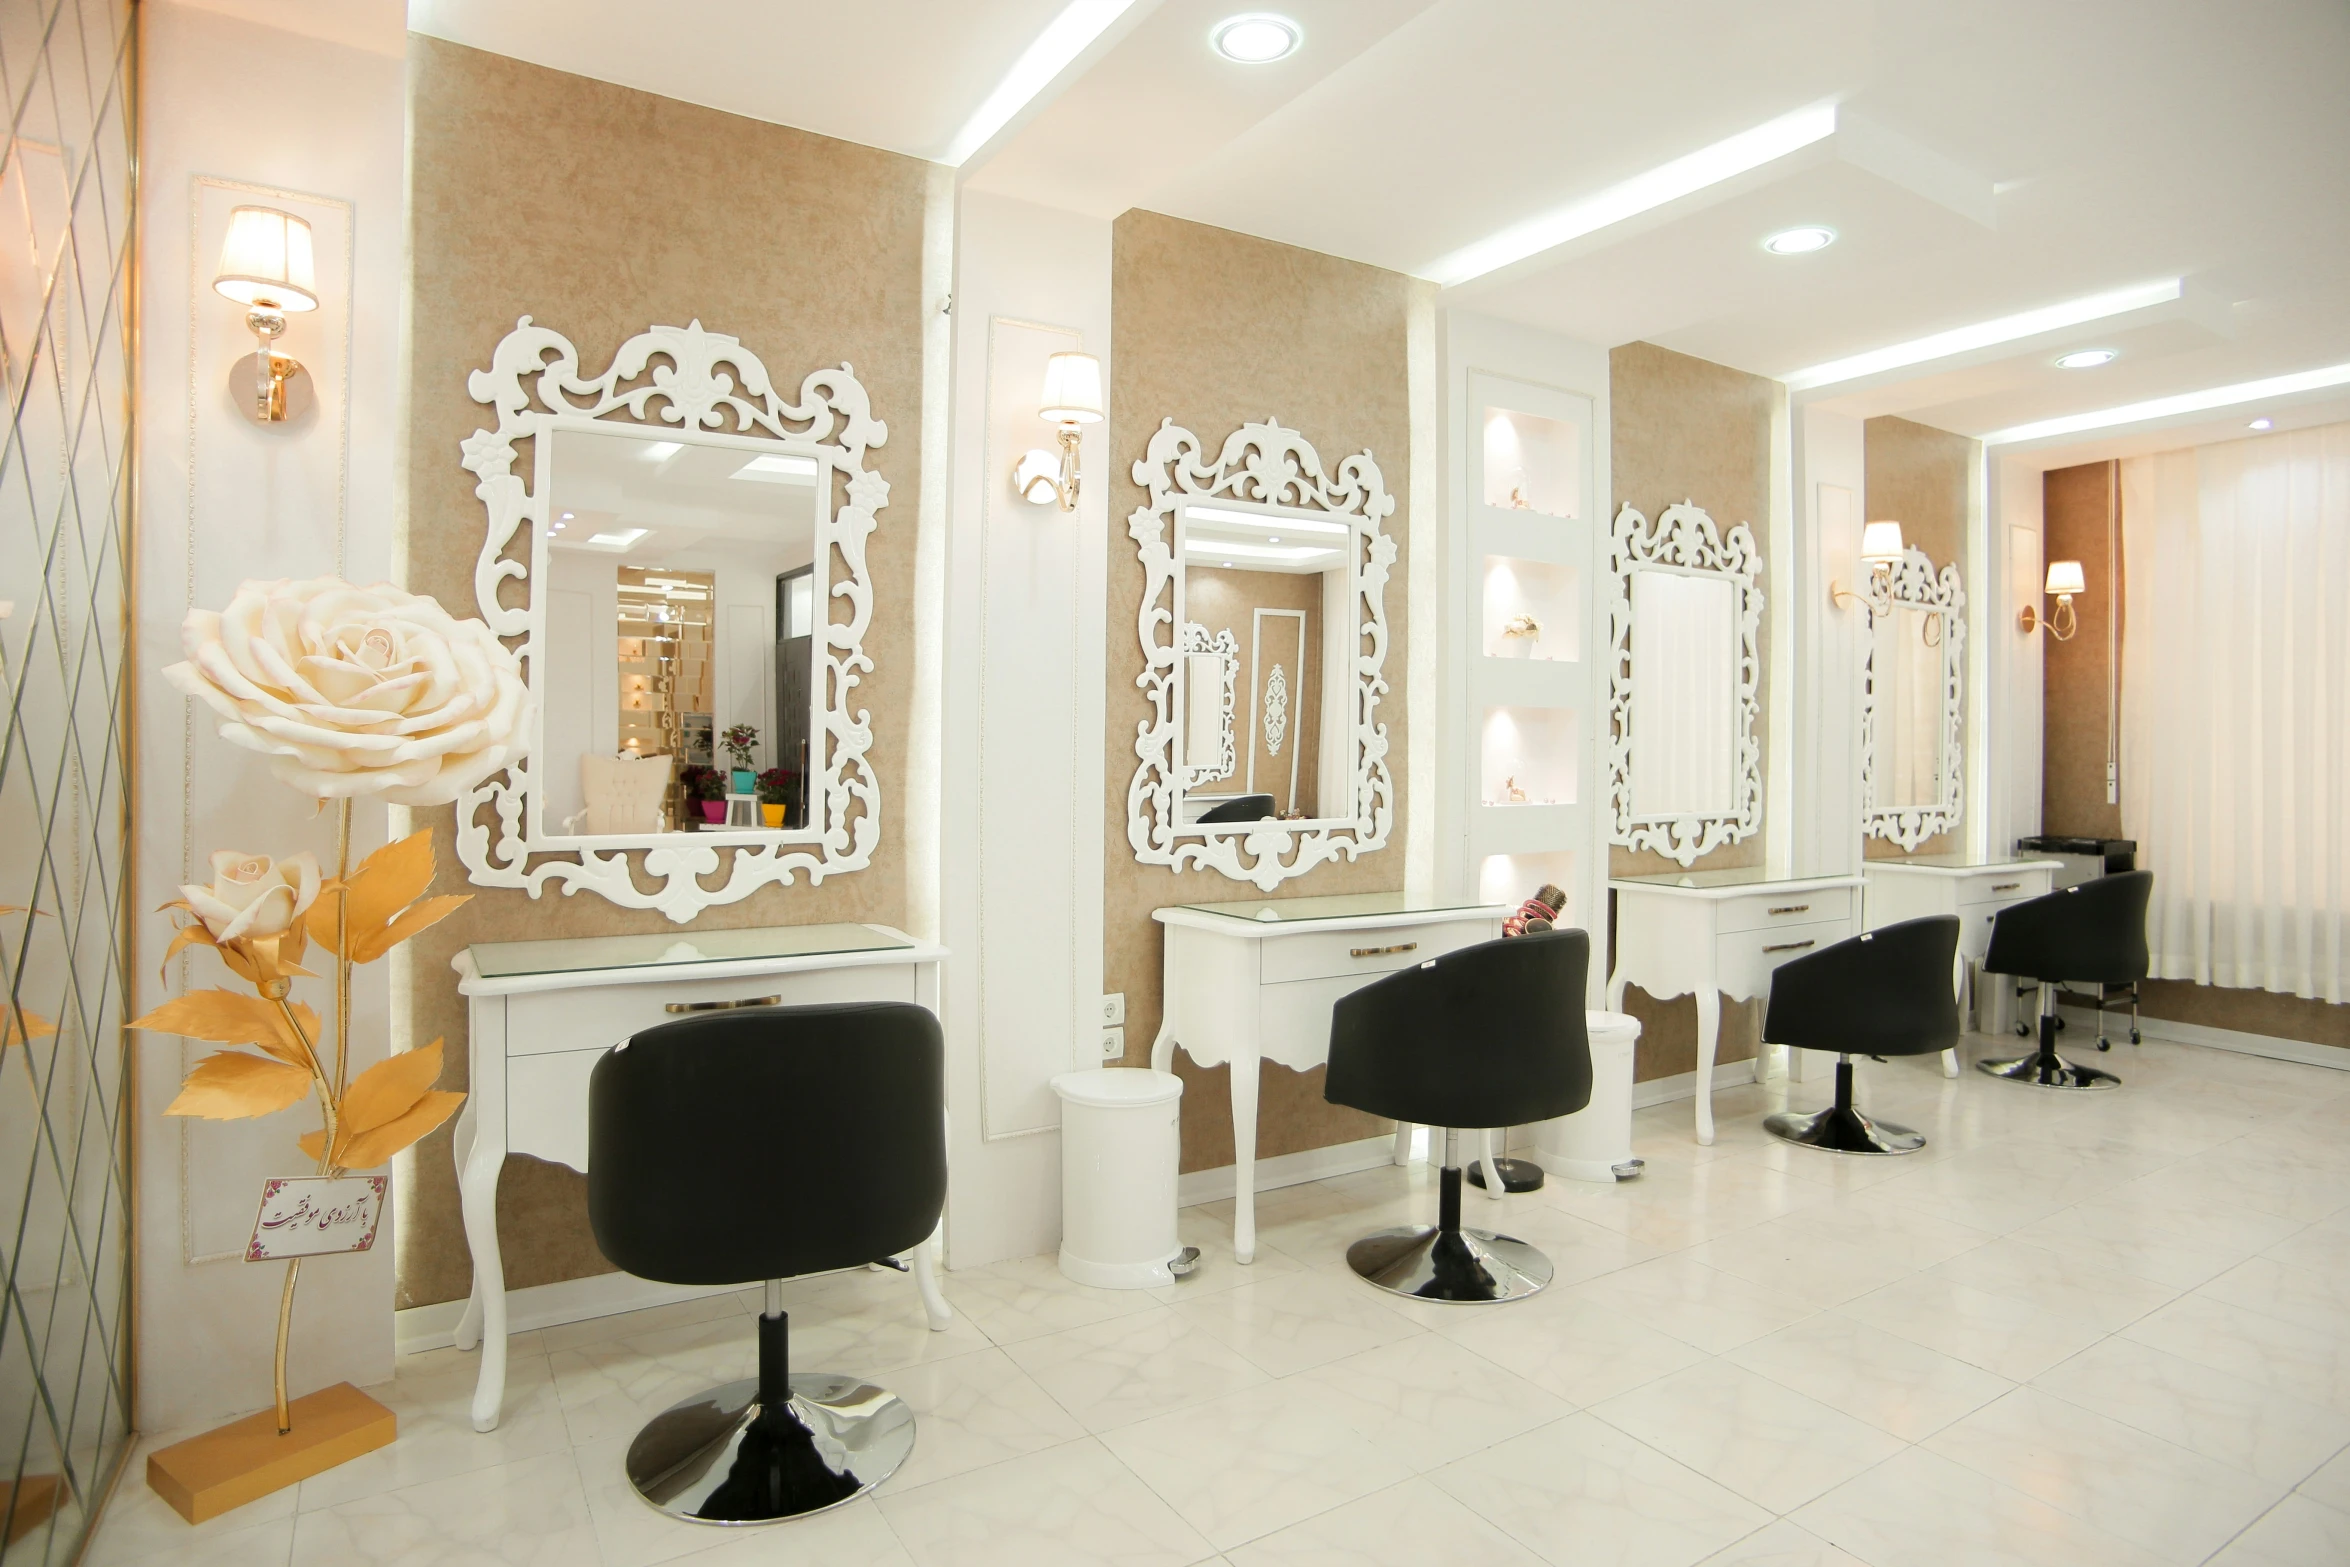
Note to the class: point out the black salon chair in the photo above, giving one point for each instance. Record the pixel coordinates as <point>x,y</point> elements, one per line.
<point>2092,934</point>
<point>753,1146</point>
<point>1240,808</point>
<point>1489,1035</point>
<point>1886,993</point>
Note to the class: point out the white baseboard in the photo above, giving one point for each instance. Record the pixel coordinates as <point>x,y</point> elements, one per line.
<point>1683,1085</point>
<point>1288,1169</point>
<point>2177,1033</point>
<point>545,1305</point>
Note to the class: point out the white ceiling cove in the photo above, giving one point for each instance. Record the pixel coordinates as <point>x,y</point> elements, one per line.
<point>1990,157</point>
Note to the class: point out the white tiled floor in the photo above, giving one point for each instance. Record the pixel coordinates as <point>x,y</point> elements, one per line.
<point>2102,1329</point>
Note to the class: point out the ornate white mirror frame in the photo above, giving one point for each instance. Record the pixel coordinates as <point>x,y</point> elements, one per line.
<point>498,838</point>
<point>1209,733</point>
<point>1264,464</point>
<point>1685,541</point>
<point>1913,583</point>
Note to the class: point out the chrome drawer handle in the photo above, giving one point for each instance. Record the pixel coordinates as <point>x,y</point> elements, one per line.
<point>1793,908</point>
<point>1381,952</point>
<point>2006,886</point>
<point>1790,946</point>
<point>676,1007</point>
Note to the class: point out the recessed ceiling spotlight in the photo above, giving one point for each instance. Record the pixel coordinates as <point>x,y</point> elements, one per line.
<point>1255,38</point>
<point>2263,424</point>
<point>1800,241</point>
<point>2085,359</point>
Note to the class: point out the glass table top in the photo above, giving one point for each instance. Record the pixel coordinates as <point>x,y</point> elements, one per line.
<point>1332,906</point>
<point>1955,862</point>
<point>517,959</point>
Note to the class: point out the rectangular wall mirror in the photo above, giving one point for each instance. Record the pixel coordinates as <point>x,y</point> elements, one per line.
<point>680,594</point>
<point>1684,755</point>
<point>1912,703</point>
<point>1264,598</point>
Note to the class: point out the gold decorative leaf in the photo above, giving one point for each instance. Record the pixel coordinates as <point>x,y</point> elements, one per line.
<point>415,917</point>
<point>385,1091</point>
<point>384,893</point>
<point>229,1085</point>
<point>226,1018</point>
<point>371,1148</point>
<point>35,1027</point>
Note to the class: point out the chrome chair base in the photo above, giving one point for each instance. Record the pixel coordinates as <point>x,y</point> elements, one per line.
<point>1840,1129</point>
<point>724,1458</point>
<point>1459,1266</point>
<point>2047,1069</point>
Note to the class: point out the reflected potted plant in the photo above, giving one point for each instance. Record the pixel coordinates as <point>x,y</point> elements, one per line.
<point>706,788</point>
<point>775,791</point>
<point>739,742</point>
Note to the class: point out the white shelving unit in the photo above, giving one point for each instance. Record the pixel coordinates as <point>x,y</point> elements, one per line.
<point>1528,641</point>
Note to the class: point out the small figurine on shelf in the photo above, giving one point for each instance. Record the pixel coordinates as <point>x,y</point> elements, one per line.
<point>1540,912</point>
<point>1518,501</point>
<point>1510,792</point>
<point>1520,636</point>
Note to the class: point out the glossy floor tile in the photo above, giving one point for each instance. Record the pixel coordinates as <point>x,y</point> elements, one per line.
<point>2108,1329</point>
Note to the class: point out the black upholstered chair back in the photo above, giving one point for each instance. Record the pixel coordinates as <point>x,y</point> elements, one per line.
<point>1490,1035</point>
<point>2093,933</point>
<point>1240,808</point>
<point>768,1142</point>
<point>1886,993</point>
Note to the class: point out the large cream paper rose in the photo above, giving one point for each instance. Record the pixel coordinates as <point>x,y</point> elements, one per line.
<point>353,691</point>
<point>252,896</point>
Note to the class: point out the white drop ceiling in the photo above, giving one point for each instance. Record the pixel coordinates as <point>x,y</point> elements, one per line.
<point>1992,156</point>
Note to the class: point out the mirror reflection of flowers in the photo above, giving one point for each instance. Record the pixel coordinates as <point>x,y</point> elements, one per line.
<point>351,692</point>
<point>776,785</point>
<point>739,742</point>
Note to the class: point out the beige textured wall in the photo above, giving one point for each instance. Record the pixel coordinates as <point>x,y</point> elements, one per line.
<point>1685,429</point>
<point>2072,797</point>
<point>1215,329</point>
<point>600,211</point>
<point>1919,477</point>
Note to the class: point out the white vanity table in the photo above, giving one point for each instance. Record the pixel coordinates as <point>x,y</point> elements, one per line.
<point>1974,890</point>
<point>541,1013</point>
<point>1254,981</point>
<point>1717,933</point>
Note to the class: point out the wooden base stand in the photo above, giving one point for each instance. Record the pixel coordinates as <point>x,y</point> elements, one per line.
<point>27,1506</point>
<point>207,1475</point>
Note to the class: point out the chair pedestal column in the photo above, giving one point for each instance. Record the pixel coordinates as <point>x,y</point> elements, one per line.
<point>1840,1128</point>
<point>1449,1263</point>
<point>771,1447</point>
<point>2044,1068</point>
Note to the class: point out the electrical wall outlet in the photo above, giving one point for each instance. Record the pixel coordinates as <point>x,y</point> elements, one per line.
<point>1113,1043</point>
<point>1114,1009</point>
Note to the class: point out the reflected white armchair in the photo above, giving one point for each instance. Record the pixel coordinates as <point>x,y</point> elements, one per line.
<point>623,793</point>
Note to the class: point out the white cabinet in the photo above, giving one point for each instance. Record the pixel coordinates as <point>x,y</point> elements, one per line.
<point>1975,891</point>
<point>1255,981</point>
<point>542,1013</point>
<point>1716,933</point>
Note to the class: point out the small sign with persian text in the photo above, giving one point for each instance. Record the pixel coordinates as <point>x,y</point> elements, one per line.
<point>314,1215</point>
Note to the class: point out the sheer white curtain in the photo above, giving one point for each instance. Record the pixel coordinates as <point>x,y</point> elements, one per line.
<point>2236,708</point>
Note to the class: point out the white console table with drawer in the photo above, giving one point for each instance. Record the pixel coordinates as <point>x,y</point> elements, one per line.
<point>1254,981</point>
<point>541,1013</point>
<point>1721,933</point>
<point>1974,890</point>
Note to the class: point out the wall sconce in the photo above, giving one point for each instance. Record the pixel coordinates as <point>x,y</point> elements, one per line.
<point>266,266</point>
<point>1880,548</point>
<point>2064,580</point>
<point>1072,398</point>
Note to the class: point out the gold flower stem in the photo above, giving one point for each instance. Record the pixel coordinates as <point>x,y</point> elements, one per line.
<point>326,1151</point>
<point>343,950</point>
<point>285,1322</point>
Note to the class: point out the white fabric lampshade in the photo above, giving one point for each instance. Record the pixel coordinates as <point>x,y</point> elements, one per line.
<point>266,260</point>
<point>1072,389</point>
<point>1880,543</point>
<point>2064,576</point>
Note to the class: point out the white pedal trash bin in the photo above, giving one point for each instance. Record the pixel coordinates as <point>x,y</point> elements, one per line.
<point>1121,1140</point>
<point>1595,1143</point>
